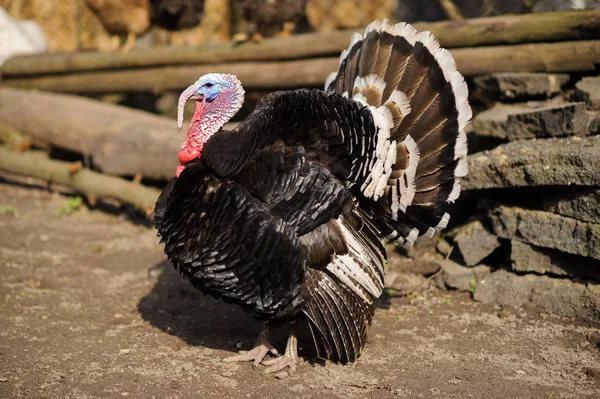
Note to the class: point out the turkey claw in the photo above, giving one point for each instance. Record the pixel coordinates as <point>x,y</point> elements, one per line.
<point>279,364</point>
<point>255,355</point>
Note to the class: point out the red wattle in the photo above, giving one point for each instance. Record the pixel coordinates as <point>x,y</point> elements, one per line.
<point>188,154</point>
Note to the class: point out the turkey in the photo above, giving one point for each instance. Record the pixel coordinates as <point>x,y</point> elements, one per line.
<point>123,17</point>
<point>176,14</point>
<point>271,17</point>
<point>287,214</point>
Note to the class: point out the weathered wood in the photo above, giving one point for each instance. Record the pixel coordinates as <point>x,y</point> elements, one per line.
<point>254,75</point>
<point>89,183</point>
<point>520,28</point>
<point>505,29</point>
<point>121,141</point>
<point>12,138</point>
<point>577,56</point>
<point>540,57</point>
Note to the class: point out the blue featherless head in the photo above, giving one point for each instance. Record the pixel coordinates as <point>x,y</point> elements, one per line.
<point>210,85</point>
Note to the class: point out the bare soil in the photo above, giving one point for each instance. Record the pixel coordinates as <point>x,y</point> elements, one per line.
<point>91,309</point>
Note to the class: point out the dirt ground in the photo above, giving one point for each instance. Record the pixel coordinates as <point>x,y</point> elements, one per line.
<point>91,309</point>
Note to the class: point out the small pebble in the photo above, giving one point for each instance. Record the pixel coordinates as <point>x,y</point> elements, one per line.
<point>520,372</point>
<point>282,376</point>
<point>124,351</point>
<point>3,379</point>
<point>227,374</point>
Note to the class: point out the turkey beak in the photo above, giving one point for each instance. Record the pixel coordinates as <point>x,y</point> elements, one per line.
<point>187,94</point>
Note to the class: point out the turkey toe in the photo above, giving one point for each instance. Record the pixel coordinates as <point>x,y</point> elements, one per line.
<point>255,355</point>
<point>289,358</point>
<point>280,363</point>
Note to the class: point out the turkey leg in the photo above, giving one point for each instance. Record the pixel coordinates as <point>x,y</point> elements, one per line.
<point>261,348</point>
<point>289,358</point>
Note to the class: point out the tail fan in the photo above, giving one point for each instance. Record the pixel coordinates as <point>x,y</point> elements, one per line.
<point>419,102</point>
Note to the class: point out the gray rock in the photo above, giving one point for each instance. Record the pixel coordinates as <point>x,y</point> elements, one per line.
<point>493,121</point>
<point>512,86</point>
<point>475,242</point>
<point>527,258</point>
<point>443,247</point>
<point>561,296</point>
<point>554,121</point>
<point>581,204</point>
<point>527,121</point>
<point>461,278</point>
<point>525,163</point>
<point>594,123</point>
<point>547,230</point>
<point>589,89</point>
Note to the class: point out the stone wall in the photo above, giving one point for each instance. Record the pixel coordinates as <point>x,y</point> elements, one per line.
<point>534,180</point>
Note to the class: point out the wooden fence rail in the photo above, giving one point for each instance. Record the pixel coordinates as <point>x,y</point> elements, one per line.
<point>501,30</point>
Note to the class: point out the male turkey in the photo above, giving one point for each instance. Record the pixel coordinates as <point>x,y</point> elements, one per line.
<point>286,214</point>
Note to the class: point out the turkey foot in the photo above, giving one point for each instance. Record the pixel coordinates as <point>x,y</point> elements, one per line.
<point>261,348</point>
<point>289,358</point>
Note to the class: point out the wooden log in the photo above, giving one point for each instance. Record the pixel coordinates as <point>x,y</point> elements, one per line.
<point>120,141</point>
<point>12,138</point>
<point>85,181</point>
<point>254,75</point>
<point>580,56</point>
<point>505,29</point>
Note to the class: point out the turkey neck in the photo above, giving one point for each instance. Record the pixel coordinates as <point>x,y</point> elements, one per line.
<point>207,120</point>
<point>227,152</point>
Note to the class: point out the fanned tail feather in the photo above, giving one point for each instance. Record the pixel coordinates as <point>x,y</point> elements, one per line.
<point>419,103</point>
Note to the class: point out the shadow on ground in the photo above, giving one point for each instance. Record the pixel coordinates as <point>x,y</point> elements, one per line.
<point>177,308</point>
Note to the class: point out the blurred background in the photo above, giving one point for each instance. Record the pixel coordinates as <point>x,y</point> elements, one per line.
<point>105,25</point>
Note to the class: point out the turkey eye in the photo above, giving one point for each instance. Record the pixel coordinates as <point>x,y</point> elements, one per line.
<point>209,85</point>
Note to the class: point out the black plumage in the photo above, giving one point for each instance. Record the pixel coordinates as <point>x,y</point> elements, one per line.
<point>286,214</point>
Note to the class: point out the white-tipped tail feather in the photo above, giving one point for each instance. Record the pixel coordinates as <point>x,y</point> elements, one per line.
<point>429,41</point>
<point>406,31</point>
<point>407,185</point>
<point>412,176</point>
<point>362,279</point>
<point>399,98</point>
